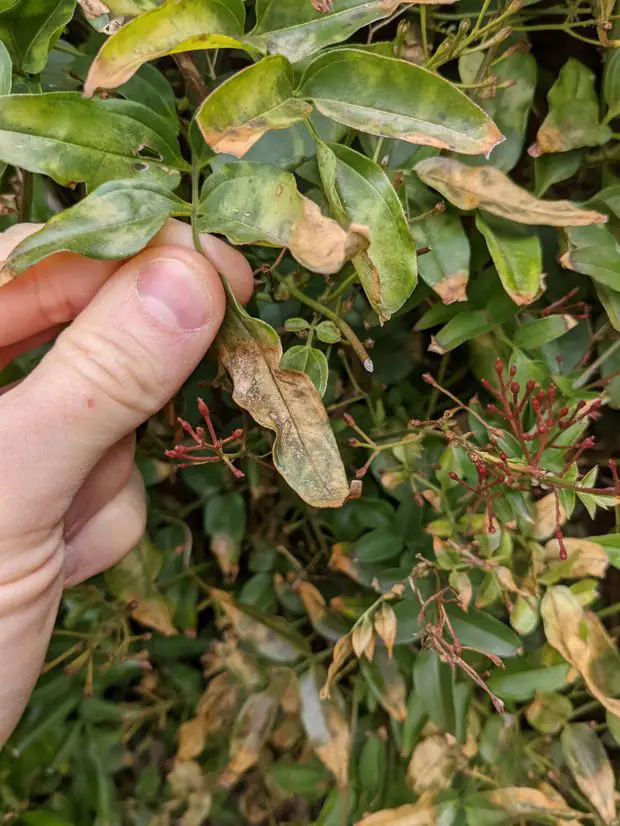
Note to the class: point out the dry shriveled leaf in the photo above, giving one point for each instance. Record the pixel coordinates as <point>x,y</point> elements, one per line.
<point>253,727</point>
<point>488,188</point>
<point>585,558</point>
<point>545,517</point>
<point>286,401</point>
<point>519,802</point>
<point>432,764</point>
<point>320,244</point>
<point>582,640</point>
<point>422,813</point>
<point>342,651</point>
<point>386,626</point>
<point>192,738</point>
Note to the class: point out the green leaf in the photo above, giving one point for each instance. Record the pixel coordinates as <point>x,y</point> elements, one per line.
<point>610,299</point>
<point>573,118</point>
<point>249,104</point>
<point>115,221</point>
<point>149,87</point>
<point>308,780</point>
<point>130,8</point>
<point>551,169</point>
<point>257,203</point>
<point>523,679</point>
<point>71,139</point>
<point>535,332</point>
<point>611,84</point>
<point>481,631</point>
<point>225,523</point>
<point>549,712</point>
<point>297,30</point>
<point>305,450</point>
<point>490,189</point>
<point>327,332</point>
<point>30,30</point>
<point>509,107</point>
<point>517,255</point>
<point>379,545</point>
<point>433,681</point>
<point>446,267</point>
<point>592,251</point>
<point>590,767</point>
<point>373,94</point>
<point>6,70</point>
<point>176,26</point>
<point>308,360</point>
<point>359,191</point>
<point>463,327</point>
<point>44,819</point>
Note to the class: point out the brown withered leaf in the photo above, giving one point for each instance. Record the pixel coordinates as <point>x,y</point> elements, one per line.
<point>327,729</point>
<point>336,246</point>
<point>545,518</point>
<point>156,613</point>
<point>581,639</point>
<point>189,786</point>
<point>488,188</point>
<point>432,764</point>
<point>313,600</point>
<point>362,638</point>
<point>421,813</point>
<point>585,558</point>
<point>386,626</point>
<point>285,401</point>
<point>342,651</point>
<point>192,738</point>
<point>519,802</point>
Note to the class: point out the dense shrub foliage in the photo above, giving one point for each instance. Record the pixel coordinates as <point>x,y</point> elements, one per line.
<point>378,584</point>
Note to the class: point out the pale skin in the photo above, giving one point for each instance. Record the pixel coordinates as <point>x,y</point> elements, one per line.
<point>71,500</point>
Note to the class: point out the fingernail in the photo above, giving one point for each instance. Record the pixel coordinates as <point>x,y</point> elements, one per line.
<point>174,293</point>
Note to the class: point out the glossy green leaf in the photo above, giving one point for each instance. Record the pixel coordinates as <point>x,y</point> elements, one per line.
<point>490,189</point>
<point>6,70</point>
<point>31,28</point>
<point>249,104</point>
<point>590,767</point>
<point>285,401</point>
<point>176,26</point>
<point>509,107</point>
<point>115,221</point>
<point>149,87</point>
<point>552,169</point>
<point>573,118</point>
<point>374,94</point>
<point>71,139</point>
<point>255,203</point>
<point>360,192</point>
<point>461,328</point>
<point>517,255</point>
<point>593,251</point>
<point>298,30</point>
<point>434,688</point>
<point>446,267</point>
<point>535,332</point>
<point>379,545</point>
<point>481,631</point>
<point>308,360</point>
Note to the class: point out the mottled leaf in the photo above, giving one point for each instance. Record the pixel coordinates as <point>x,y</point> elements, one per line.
<point>422,813</point>
<point>30,30</point>
<point>548,712</point>
<point>432,764</point>
<point>515,802</point>
<point>573,118</point>
<point>297,30</point>
<point>375,94</point>
<point>327,730</point>
<point>386,682</point>
<point>115,221</point>
<point>176,26</point>
<point>490,189</point>
<point>590,766</point>
<point>308,360</point>
<point>359,191</point>
<point>71,139</point>
<point>225,523</point>
<point>249,104</point>
<point>582,640</point>
<point>585,558</point>
<point>255,203</point>
<point>517,255</point>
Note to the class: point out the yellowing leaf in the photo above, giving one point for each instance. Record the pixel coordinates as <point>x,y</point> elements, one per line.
<point>421,813</point>
<point>257,203</point>
<point>156,613</point>
<point>286,401</point>
<point>519,802</point>
<point>590,766</point>
<point>585,558</point>
<point>374,94</point>
<point>547,511</point>
<point>432,763</point>
<point>176,26</point>
<point>326,728</point>
<point>253,101</point>
<point>192,738</point>
<point>485,187</point>
<point>582,640</point>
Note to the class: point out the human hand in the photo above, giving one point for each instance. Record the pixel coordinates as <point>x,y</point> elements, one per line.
<point>71,500</point>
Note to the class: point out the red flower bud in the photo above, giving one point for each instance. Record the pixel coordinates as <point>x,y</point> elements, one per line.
<point>499,366</point>
<point>513,370</point>
<point>515,387</point>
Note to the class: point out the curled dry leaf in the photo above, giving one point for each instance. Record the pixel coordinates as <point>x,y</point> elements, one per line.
<point>421,813</point>
<point>433,763</point>
<point>326,728</point>
<point>171,28</point>
<point>320,244</point>
<point>386,626</point>
<point>590,766</point>
<point>286,401</point>
<point>342,651</point>
<point>546,516</point>
<point>585,558</point>
<point>488,188</point>
<point>582,640</point>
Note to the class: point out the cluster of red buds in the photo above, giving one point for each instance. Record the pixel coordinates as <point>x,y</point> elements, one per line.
<point>190,454</point>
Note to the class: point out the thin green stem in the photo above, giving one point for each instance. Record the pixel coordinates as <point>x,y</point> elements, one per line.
<point>423,16</point>
<point>589,371</point>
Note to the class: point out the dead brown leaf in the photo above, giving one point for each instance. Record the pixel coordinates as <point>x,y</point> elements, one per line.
<point>585,558</point>
<point>432,764</point>
<point>488,188</point>
<point>421,813</point>
<point>545,518</point>
<point>386,626</point>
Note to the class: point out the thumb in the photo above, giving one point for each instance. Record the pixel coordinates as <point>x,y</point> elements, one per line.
<point>119,362</point>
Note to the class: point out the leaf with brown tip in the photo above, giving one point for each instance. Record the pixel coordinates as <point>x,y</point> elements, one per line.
<point>485,187</point>
<point>327,729</point>
<point>590,766</point>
